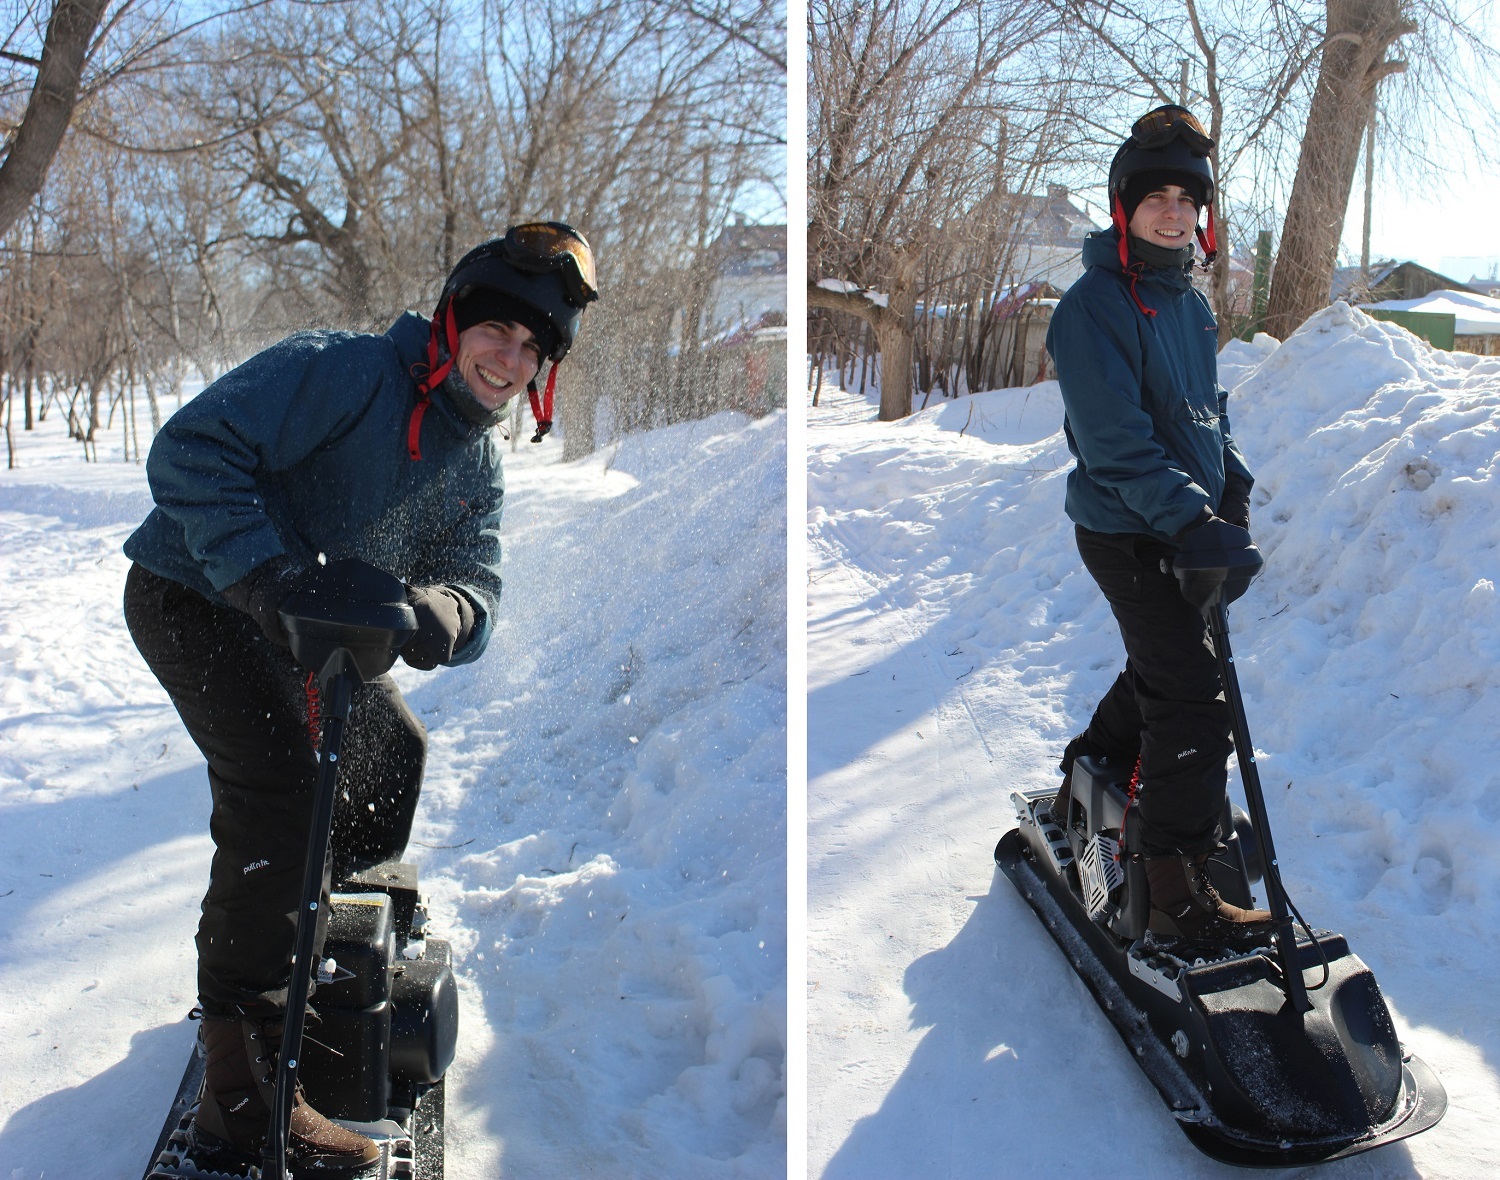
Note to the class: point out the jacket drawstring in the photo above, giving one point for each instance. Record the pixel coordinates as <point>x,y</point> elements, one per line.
<point>1135,273</point>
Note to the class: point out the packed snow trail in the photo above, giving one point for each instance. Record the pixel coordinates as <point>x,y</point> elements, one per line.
<point>955,643</point>
<point>602,832</point>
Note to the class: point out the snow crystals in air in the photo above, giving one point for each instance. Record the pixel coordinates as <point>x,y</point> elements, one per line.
<point>602,832</point>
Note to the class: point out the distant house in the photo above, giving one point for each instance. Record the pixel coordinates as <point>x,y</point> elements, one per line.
<point>751,287</point>
<point>1387,279</point>
<point>1472,320</point>
<point>1490,287</point>
<point>1049,239</point>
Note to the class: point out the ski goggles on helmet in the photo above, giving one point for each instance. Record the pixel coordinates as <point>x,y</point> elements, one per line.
<point>1160,127</point>
<point>539,247</point>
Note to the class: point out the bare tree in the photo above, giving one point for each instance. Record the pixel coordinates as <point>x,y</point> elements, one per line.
<point>296,163</point>
<point>34,141</point>
<point>903,102</point>
<point>1359,35</point>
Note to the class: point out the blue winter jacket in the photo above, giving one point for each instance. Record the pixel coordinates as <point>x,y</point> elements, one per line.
<point>1145,415</point>
<point>302,450</point>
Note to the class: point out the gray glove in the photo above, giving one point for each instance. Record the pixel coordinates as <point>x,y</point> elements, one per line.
<point>260,592</point>
<point>445,621</point>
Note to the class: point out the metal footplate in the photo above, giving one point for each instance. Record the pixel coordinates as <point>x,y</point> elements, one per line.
<point>401,1155</point>
<point>1100,873</point>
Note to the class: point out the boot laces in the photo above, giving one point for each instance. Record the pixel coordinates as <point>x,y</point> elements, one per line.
<point>1203,884</point>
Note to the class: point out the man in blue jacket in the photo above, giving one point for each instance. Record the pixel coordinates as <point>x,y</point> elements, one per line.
<point>325,446</point>
<point>1157,472</point>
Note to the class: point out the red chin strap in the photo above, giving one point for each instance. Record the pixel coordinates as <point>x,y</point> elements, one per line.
<point>1117,217</point>
<point>1207,240</point>
<point>438,367</point>
<point>541,407</point>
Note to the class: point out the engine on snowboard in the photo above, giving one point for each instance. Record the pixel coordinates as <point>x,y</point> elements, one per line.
<point>387,1030</point>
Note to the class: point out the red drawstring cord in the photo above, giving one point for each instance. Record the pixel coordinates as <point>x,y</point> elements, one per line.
<point>1135,274</point>
<point>1117,216</point>
<point>1131,791</point>
<point>314,710</point>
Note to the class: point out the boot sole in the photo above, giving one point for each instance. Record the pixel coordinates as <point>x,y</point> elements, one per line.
<point>210,1153</point>
<point>1212,933</point>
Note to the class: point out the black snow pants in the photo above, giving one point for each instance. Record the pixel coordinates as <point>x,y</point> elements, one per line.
<point>1167,706</point>
<point>245,702</point>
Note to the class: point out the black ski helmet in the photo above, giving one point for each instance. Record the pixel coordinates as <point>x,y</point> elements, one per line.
<point>536,282</point>
<point>541,275</point>
<point>1166,139</point>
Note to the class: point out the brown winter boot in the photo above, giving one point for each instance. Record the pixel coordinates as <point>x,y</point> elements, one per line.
<point>239,1087</point>
<point>1185,904</point>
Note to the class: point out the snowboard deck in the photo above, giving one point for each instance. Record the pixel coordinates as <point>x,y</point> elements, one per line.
<point>1134,987</point>
<point>411,1142</point>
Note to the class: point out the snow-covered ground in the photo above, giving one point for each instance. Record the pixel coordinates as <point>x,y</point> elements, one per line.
<point>602,833</point>
<point>955,643</point>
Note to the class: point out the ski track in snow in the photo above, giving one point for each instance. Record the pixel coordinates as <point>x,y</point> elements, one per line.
<point>602,832</point>
<point>955,643</point>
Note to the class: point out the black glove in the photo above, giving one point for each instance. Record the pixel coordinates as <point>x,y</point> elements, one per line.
<point>1205,514</point>
<point>1216,561</point>
<point>1234,504</point>
<point>260,592</point>
<point>1212,536</point>
<point>445,621</point>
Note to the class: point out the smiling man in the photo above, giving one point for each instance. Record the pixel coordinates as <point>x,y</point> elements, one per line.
<point>1157,473</point>
<point>328,445</point>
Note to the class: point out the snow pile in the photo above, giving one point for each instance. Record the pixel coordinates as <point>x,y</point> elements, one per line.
<point>955,643</point>
<point>1378,506</point>
<point>602,832</point>
<point>623,747</point>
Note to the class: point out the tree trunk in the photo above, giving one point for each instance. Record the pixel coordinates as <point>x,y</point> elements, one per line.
<point>50,109</point>
<point>1354,62</point>
<point>1219,282</point>
<point>894,326</point>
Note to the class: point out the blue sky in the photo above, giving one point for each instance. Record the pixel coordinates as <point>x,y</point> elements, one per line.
<point>1448,224</point>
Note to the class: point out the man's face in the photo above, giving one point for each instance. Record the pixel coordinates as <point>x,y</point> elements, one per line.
<point>497,360</point>
<point>1165,217</point>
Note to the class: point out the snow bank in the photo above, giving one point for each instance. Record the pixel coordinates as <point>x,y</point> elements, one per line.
<point>1378,506</point>
<point>627,893</point>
